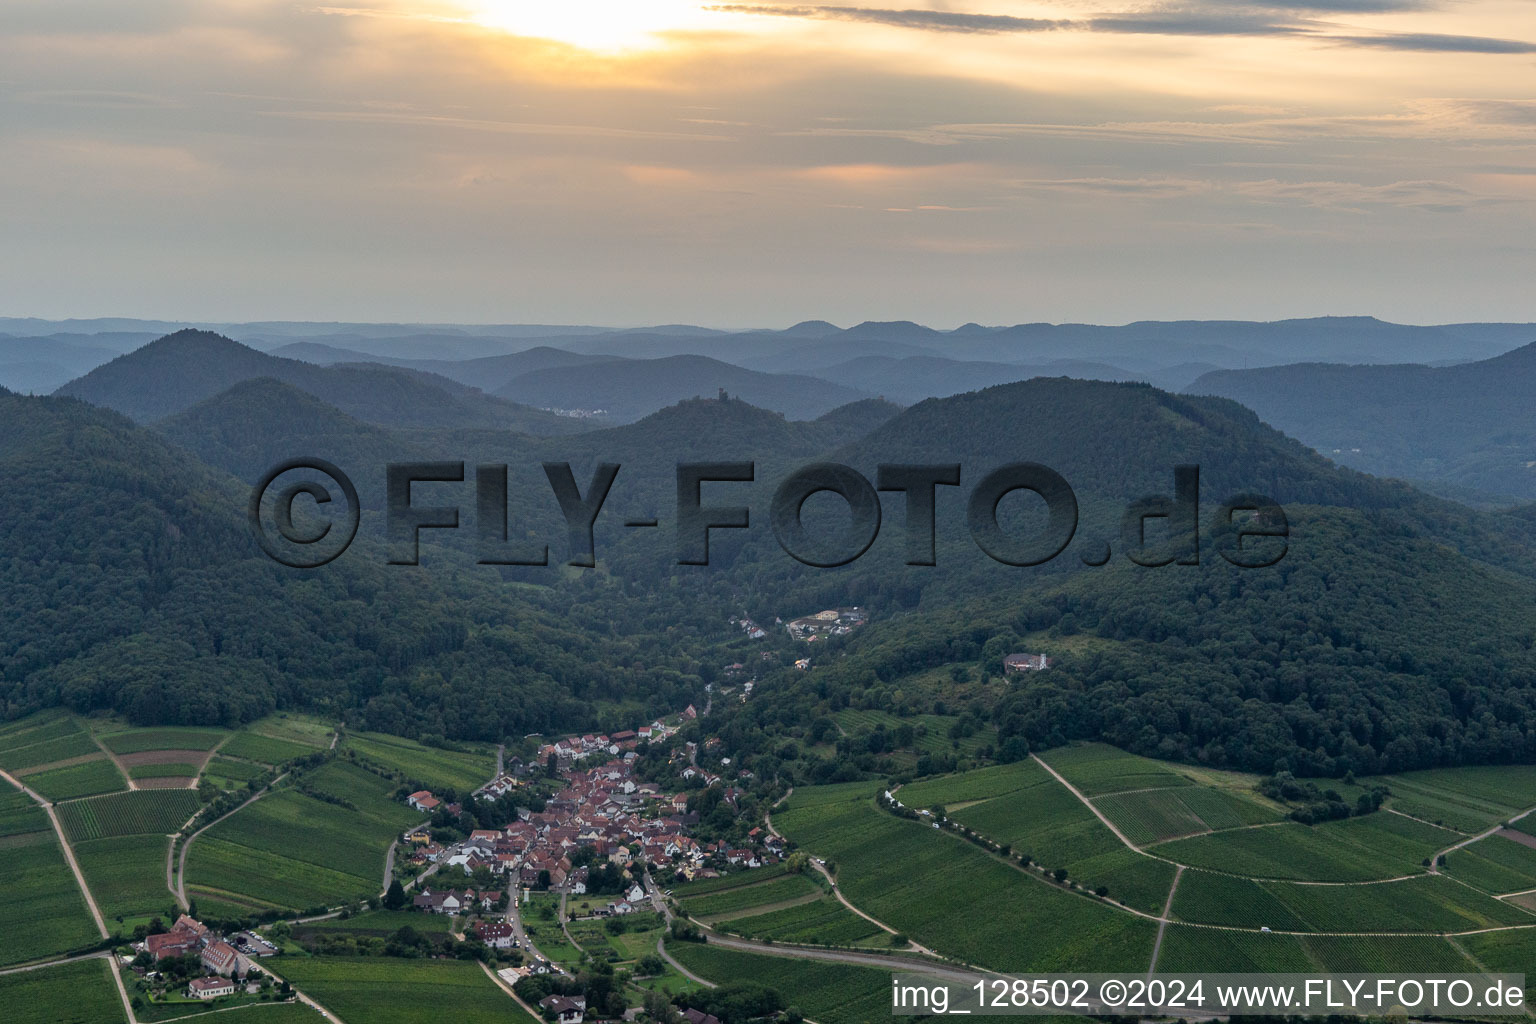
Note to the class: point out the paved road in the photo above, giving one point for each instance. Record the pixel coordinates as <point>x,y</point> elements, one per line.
<point>389,867</point>
<point>69,853</point>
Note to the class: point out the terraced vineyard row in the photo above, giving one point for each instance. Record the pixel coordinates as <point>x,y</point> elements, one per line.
<point>141,812</point>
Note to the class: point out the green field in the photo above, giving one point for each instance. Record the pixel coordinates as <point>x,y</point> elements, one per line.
<point>43,912</point>
<point>296,851</point>
<point>231,774</point>
<point>77,993</point>
<point>949,895</point>
<point>825,992</point>
<point>775,890</point>
<point>134,741</point>
<point>266,749</point>
<point>141,812</point>
<point>163,771</point>
<point>464,772</point>
<point>1096,769</point>
<point>385,991</point>
<point>1426,903</point>
<point>1494,864</point>
<point>1381,845</point>
<point>85,779</point>
<point>126,875</point>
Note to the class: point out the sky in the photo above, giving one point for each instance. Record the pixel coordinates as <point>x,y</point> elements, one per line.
<point>627,162</point>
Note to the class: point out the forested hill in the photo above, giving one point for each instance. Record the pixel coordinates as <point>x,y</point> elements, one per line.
<point>131,581</point>
<point>1471,425</point>
<point>180,370</point>
<point>1395,633</point>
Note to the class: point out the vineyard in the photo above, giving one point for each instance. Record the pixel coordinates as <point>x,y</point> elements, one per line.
<point>265,749</point>
<point>1466,799</point>
<point>126,875</point>
<point>825,992</point>
<point>291,849</point>
<point>1039,817</point>
<point>43,912</point>
<point>1162,814</point>
<point>172,770</point>
<point>1096,769</point>
<point>969,787</point>
<point>76,993</point>
<point>785,887</point>
<point>140,812</point>
<point>88,778</point>
<point>134,741</point>
<point>431,766</point>
<point>1427,903</point>
<point>1381,845</point>
<point>951,896</point>
<point>823,921</point>
<point>1496,864</point>
<point>403,991</point>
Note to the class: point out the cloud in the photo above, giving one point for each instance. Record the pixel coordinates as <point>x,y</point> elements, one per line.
<point>485,125</point>
<point>944,21</point>
<point>1430,42</point>
<point>1258,18</point>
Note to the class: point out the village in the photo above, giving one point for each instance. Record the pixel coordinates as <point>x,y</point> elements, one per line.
<point>598,838</point>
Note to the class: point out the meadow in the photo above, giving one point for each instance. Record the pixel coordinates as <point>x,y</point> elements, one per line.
<point>76,993</point>
<point>388,991</point>
<point>140,812</point>
<point>43,912</point>
<point>126,875</point>
<point>949,895</point>
<point>1380,845</point>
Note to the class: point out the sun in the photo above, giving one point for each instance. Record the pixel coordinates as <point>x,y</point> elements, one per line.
<point>601,25</point>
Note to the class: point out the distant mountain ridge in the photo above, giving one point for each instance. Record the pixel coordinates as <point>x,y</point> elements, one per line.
<point>1469,425</point>
<point>182,369</point>
<point>626,390</point>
